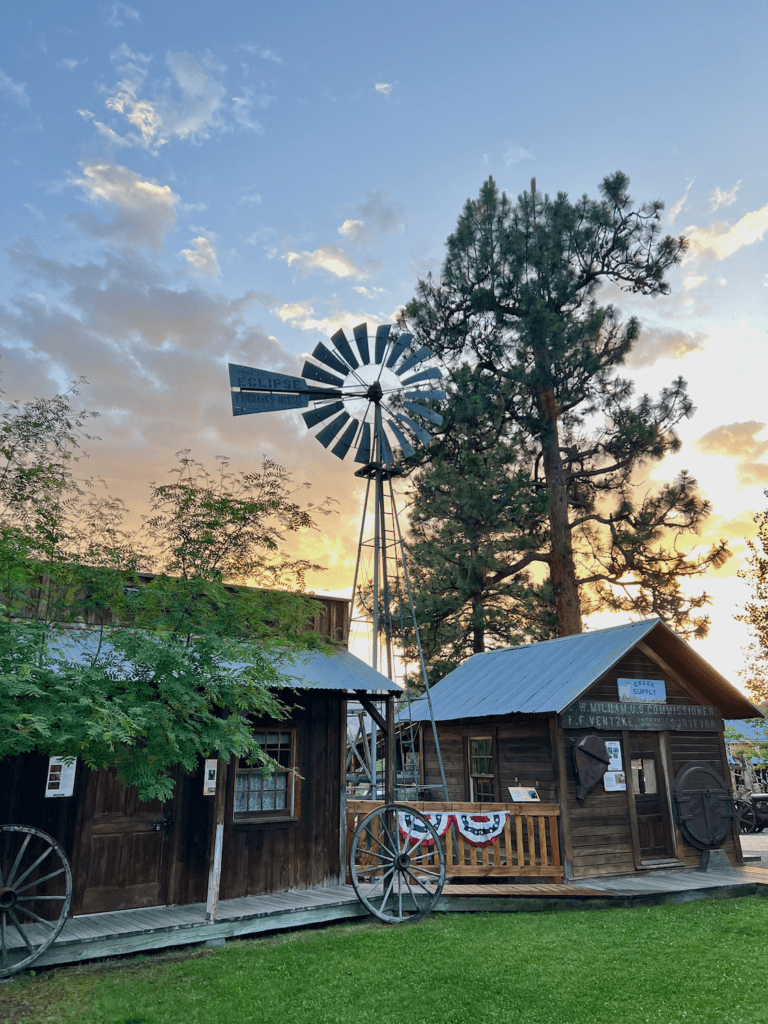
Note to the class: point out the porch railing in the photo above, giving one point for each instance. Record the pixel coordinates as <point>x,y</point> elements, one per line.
<point>529,844</point>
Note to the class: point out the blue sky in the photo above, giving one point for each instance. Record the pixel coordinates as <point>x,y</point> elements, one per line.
<point>188,184</point>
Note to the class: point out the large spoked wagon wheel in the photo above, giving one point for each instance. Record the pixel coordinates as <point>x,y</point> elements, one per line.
<point>397,864</point>
<point>746,816</point>
<point>35,895</point>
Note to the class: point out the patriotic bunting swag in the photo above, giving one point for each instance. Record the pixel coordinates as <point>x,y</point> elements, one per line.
<point>478,829</point>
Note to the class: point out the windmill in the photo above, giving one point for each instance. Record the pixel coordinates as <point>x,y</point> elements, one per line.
<point>368,400</point>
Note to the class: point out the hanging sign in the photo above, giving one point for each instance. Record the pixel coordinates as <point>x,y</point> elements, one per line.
<point>61,776</point>
<point>209,777</point>
<point>649,691</point>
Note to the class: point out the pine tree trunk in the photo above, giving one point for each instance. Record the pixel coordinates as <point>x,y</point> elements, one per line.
<point>478,632</point>
<point>562,568</point>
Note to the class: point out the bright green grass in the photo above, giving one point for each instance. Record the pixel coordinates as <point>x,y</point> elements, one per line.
<point>701,961</point>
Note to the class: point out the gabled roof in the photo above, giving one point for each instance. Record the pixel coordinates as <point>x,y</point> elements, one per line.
<point>549,676</point>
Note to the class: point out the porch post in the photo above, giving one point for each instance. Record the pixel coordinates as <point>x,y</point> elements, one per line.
<point>217,846</point>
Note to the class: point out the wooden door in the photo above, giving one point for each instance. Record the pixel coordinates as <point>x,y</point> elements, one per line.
<point>649,789</point>
<point>122,861</point>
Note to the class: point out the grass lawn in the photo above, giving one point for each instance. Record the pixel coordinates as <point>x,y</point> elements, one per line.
<point>701,961</point>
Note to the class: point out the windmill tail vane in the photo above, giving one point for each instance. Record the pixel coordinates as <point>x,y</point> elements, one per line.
<point>363,398</point>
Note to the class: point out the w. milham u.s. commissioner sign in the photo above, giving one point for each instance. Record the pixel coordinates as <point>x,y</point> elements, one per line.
<point>644,717</point>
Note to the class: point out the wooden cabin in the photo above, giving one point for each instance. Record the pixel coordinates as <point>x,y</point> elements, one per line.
<point>278,834</point>
<point>641,709</point>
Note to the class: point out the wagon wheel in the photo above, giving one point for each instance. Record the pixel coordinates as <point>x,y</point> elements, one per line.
<point>35,895</point>
<point>746,816</point>
<point>397,864</point>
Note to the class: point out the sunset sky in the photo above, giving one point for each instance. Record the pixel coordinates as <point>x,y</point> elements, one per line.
<point>190,184</point>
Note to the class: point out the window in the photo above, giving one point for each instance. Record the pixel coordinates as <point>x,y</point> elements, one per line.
<point>481,784</point>
<point>271,796</point>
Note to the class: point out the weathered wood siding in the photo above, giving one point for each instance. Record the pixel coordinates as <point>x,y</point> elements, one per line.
<point>274,857</point>
<point>522,749</point>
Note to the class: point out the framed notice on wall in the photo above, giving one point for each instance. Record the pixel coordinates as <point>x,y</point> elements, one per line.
<point>61,776</point>
<point>614,782</point>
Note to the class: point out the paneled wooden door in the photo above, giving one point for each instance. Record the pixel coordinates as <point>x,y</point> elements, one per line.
<point>653,822</point>
<point>121,862</point>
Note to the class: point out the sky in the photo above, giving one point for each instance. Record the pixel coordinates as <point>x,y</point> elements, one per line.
<point>186,185</point>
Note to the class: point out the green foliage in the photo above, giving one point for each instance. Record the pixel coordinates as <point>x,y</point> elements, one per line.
<point>135,650</point>
<point>473,518</point>
<point>669,964</point>
<point>515,316</point>
<point>756,611</point>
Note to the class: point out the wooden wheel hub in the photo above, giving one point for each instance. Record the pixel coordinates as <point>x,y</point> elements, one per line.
<point>8,898</point>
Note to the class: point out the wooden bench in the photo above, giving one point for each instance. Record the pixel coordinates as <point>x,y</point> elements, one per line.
<point>528,846</point>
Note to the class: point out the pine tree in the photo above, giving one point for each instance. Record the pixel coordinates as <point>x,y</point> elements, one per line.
<point>515,313</point>
<point>756,611</point>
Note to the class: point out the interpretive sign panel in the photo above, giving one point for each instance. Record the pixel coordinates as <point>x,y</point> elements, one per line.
<point>644,717</point>
<point>61,776</point>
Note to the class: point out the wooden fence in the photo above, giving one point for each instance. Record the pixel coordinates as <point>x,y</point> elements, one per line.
<point>529,844</point>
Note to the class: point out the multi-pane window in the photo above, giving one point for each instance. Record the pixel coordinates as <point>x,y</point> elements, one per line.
<point>269,795</point>
<point>481,788</point>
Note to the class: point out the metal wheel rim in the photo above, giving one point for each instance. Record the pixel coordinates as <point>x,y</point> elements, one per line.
<point>746,817</point>
<point>21,919</point>
<point>389,872</point>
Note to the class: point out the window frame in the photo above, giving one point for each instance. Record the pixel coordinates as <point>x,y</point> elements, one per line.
<point>291,811</point>
<point>471,776</point>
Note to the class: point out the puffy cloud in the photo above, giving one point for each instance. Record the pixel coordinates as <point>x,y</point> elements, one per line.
<point>720,198</point>
<point>329,258</point>
<point>738,441</point>
<point>677,207</point>
<point>516,154</point>
<point>146,210</point>
<point>655,343</point>
<point>723,241</point>
<point>202,259</point>
<point>118,11</point>
<point>260,51</point>
<point>385,88</point>
<point>16,91</point>
<point>692,281</point>
<point>377,215</point>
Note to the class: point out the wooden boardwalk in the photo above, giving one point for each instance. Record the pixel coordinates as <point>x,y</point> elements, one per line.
<point>94,936</point>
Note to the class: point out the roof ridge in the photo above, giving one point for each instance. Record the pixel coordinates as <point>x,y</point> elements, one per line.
<point>572,636</point>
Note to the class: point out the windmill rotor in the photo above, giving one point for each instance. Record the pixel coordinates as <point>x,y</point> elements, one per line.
<point>363,397</point>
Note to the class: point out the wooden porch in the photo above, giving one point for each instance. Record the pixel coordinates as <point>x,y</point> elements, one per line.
<point>93,936</point>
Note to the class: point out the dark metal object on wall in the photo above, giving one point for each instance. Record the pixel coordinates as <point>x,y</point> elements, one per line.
<point>703,805</point>
<point>590,763</point>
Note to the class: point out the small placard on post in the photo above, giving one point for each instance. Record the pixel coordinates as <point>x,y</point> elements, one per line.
<point>209,777</point>
<point>524,794</point>
<point>61,776</point>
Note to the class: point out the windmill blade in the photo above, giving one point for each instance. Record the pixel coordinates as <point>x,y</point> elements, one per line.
<point>324,355</point>
<point>263,380</point>
<point>398,348</point>
<point>421,410</point>
<point>361,337</point>
<point>386,452</point>
<point>427,396</point>
<point>318,415</point>
<point>382,337</point>
<point>328,433</point>
<point>405,448</point>
<point>344,443</point>
<point>315,373</point>
<point>431,374</point>
<point>364,448</point>
<point>339,339</point>
<point>417,357</point>
<point>417,430</point>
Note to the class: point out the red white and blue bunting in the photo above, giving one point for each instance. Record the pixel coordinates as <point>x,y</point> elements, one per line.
<point>477,829</point>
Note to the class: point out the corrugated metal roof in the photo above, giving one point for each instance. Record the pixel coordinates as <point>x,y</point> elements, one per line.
<point>307,670</point>
<point>338,671</point>
<point>549,676</point>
